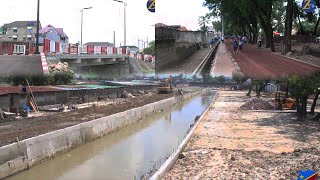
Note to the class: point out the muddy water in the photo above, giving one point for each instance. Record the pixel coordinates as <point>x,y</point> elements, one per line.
<point>127,153</point>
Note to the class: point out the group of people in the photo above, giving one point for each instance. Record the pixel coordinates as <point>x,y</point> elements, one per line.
<point>221,39</point>
<point>238,43</point>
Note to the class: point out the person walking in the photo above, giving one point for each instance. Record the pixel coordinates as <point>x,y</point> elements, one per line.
<point>235,45</point>
<point>211,43</point>
<point>259,42</point>
<point>241,43</point>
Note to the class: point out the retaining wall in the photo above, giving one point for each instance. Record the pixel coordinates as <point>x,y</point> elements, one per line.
<point>62,97</point>
<point>27,153</point>
<point>173,46</point>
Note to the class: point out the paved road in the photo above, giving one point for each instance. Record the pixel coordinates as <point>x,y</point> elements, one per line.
<point>223,64</point>
<point>20,65</point>
<point>260,64</point>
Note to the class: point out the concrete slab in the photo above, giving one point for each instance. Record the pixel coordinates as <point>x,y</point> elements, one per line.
<point>223,64</point>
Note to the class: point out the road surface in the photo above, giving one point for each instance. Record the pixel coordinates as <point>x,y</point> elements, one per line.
<point>259,64</point>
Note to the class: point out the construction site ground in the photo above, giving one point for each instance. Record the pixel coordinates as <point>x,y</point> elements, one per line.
<point>12,130</point>
<point>189,65</point>
<point>244,144</point>
<point>260,64</point>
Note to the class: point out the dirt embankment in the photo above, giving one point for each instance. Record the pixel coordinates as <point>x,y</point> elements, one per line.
<point>230,143</point>
<point>30,127</point>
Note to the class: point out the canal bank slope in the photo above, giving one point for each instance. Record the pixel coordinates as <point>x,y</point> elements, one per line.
<point>239,144</point>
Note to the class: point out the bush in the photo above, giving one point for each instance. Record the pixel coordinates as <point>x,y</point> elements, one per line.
<point>52,79</point>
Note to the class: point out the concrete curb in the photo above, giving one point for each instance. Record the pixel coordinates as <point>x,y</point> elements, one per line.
<point>203,62</point>
<point>170,162</point>
<point>24,154</point>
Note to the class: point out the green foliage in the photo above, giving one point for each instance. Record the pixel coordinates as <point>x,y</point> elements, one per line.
<point>203,21</point>
<point>300,88</point>
<point>303,86</point>
<point>52,79</point>
<point>151,49</point>
<point>207,78</point>
<point>238,77</point>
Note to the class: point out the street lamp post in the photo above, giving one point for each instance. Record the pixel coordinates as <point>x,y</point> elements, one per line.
<point>82,19</point>
<point>125,21</point>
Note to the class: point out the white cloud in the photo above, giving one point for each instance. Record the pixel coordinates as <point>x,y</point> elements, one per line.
<point>99,22</point>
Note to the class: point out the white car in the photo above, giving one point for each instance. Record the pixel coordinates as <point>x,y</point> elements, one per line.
<point>318,39</point>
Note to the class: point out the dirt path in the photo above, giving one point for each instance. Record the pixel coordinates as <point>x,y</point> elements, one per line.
<point>259,64</point>
<point>237,144</point>
<point>30,127</point>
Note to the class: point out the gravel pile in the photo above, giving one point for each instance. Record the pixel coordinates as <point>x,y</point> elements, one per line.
<point>257,104</point>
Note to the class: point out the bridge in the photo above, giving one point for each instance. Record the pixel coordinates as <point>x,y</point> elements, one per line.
<point>109,62</point>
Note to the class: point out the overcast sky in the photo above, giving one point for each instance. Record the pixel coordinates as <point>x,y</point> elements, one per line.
<point>180,12</point>
<point>99,22</point>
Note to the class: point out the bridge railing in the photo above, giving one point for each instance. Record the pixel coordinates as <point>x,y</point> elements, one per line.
<point>48,46</point>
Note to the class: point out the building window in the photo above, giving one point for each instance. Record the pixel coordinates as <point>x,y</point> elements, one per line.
<point>15,30</point>
<point>15,39</point>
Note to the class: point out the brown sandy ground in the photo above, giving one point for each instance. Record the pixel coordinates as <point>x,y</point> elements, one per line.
<point>239,144</point>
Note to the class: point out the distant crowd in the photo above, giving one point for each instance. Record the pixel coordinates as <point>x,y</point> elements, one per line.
<point>237,42</point>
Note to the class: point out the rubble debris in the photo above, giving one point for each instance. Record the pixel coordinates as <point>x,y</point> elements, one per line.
<point>126,94</point>
<point>60,67</point>
<point>257,104</point>
<point>181,156</point>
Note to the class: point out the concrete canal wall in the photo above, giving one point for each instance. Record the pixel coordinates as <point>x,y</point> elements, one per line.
<point>171,161</point>
<point>27,153</point>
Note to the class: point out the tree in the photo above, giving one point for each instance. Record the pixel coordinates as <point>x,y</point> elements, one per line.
<point>244,16</point>
<point>151,49</point>
<point>288,26</point>
<point>301,87</point>
<point>203,21</point>
<point>239,78</point>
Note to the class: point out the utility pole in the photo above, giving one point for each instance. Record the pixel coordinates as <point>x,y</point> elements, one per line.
<point>82,20</point>
<point>125,21</point>
<point>114,38</point>
<point>147,42</point>
<point>38,28</point>
<point>222,21</point>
